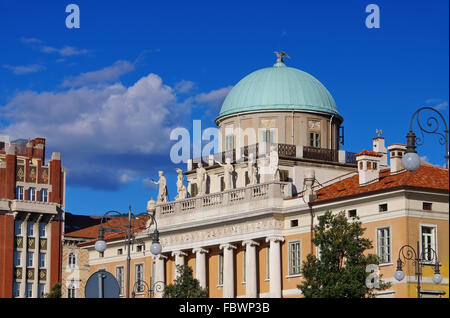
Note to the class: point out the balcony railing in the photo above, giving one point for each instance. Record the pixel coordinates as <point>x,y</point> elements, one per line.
<point>320,154</point>
<point>215,201</point>
<point>284,150</point>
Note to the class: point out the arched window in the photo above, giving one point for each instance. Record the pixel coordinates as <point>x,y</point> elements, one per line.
<point>72,260</point>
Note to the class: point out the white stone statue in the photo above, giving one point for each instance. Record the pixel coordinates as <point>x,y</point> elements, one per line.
<point>252,170</point>
<point>273,164</point>
<point>181,189</point>
<point>227,173</point>
<point>162,183</point>
<point>201,179</point>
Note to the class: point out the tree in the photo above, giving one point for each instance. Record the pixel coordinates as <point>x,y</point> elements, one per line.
<point>185,285</point>
<point>55,292</point>
<point>340,271</point>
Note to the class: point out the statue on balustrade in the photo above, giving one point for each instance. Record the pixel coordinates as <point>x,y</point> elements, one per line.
<point>252,170</point>
<point>274,163</point>
<point>201,179</point>
<point>162,183</point>
<point>227,173</point>
<point>181,189</point>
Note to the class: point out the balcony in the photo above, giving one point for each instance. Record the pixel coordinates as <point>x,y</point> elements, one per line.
<point>227,203</point>
<point>284,151</point>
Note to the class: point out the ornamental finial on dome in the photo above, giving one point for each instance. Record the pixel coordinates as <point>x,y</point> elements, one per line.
<point>280,56</point>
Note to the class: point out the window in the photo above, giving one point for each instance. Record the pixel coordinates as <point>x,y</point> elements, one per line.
<point>352,213</point>
<point>374,166</point>
<point>268,262</point>
<point>284,175</point>
<point>220,278</point>
<point>384,244</point>
<point>29,259</point>
<point>41,260</point>
<point>369,165</point>
<point>194,190</point>
<point>16,289</point>
<point>71,291</point>
<point>314,139</point>
<point>30,228</point>
<point>44,195</point>
<point>41,289</point>
<point>222,184</point>
<point>383,207</point>
<point>42,232</point>
<point>427,206</point>
<point>294,258</point>
<point>139,248</point>
<point>268,136</point>
<point>244,275</point>
<point>17,227</point>
<point>229,143</point>
<point>29,290</point>
<point>361,165</point>
<point>119,277</point>
<point>32,194</point>
<point>428,243</point>
<point>139,277</point>
<point>294,223</point>
<point>17,257</point>
<point>19,193</point>
<point>72,260</point>
<point>119,251</point>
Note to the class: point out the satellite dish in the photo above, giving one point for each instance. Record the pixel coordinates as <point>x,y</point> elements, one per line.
<point>102,284</point>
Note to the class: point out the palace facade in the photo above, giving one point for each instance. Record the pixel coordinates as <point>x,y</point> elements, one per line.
<point>246,225</point>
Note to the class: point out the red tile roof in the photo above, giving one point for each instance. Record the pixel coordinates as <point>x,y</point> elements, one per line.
<point>369,153</point>
<point>120,223</point>
<point>426,177</point>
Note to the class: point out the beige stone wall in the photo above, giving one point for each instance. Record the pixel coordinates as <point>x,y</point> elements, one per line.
<point>78,275</point>
<point>287,133</point>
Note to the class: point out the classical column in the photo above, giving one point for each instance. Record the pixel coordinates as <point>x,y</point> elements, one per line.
<point>251,290</point>
<point>200,265</point>
<point>228,270</point>
<point>179,260</point>
<point>159,277</point>
<point>275,265</point>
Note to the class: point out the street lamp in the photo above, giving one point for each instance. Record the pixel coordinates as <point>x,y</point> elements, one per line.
<point>411,160</point>
<point>409,253</point>
<point>129,230</point>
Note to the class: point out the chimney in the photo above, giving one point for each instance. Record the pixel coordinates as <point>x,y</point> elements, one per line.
<point>368,166</point>
<point>378,146</point>
<point>397,151</point>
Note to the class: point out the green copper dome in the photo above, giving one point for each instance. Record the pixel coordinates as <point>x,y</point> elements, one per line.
<point>278,88</point>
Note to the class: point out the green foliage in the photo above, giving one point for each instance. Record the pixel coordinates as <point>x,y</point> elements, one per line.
<point>341,270</point>
<point>55,292</point>
<point>185,285</point>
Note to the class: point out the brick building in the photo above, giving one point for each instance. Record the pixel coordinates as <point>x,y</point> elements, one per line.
<point>31,218</point>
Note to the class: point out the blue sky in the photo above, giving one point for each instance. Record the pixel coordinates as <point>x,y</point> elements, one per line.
<point>107,95</point>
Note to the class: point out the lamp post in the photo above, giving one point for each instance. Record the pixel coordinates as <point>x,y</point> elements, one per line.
<point>411,160</point>
<point>419,260</point>
<point>129,230</point>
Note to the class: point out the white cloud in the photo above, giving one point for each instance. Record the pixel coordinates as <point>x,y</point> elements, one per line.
<point>24,69</point>
<point>184,86</point>
<point>64,51</point>
<point>437,103</point>
<point>108,74</point>
<point>93,127</point>
<point>214,97</point>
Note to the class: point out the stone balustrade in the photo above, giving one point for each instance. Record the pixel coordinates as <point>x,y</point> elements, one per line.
<point>260,196</point>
